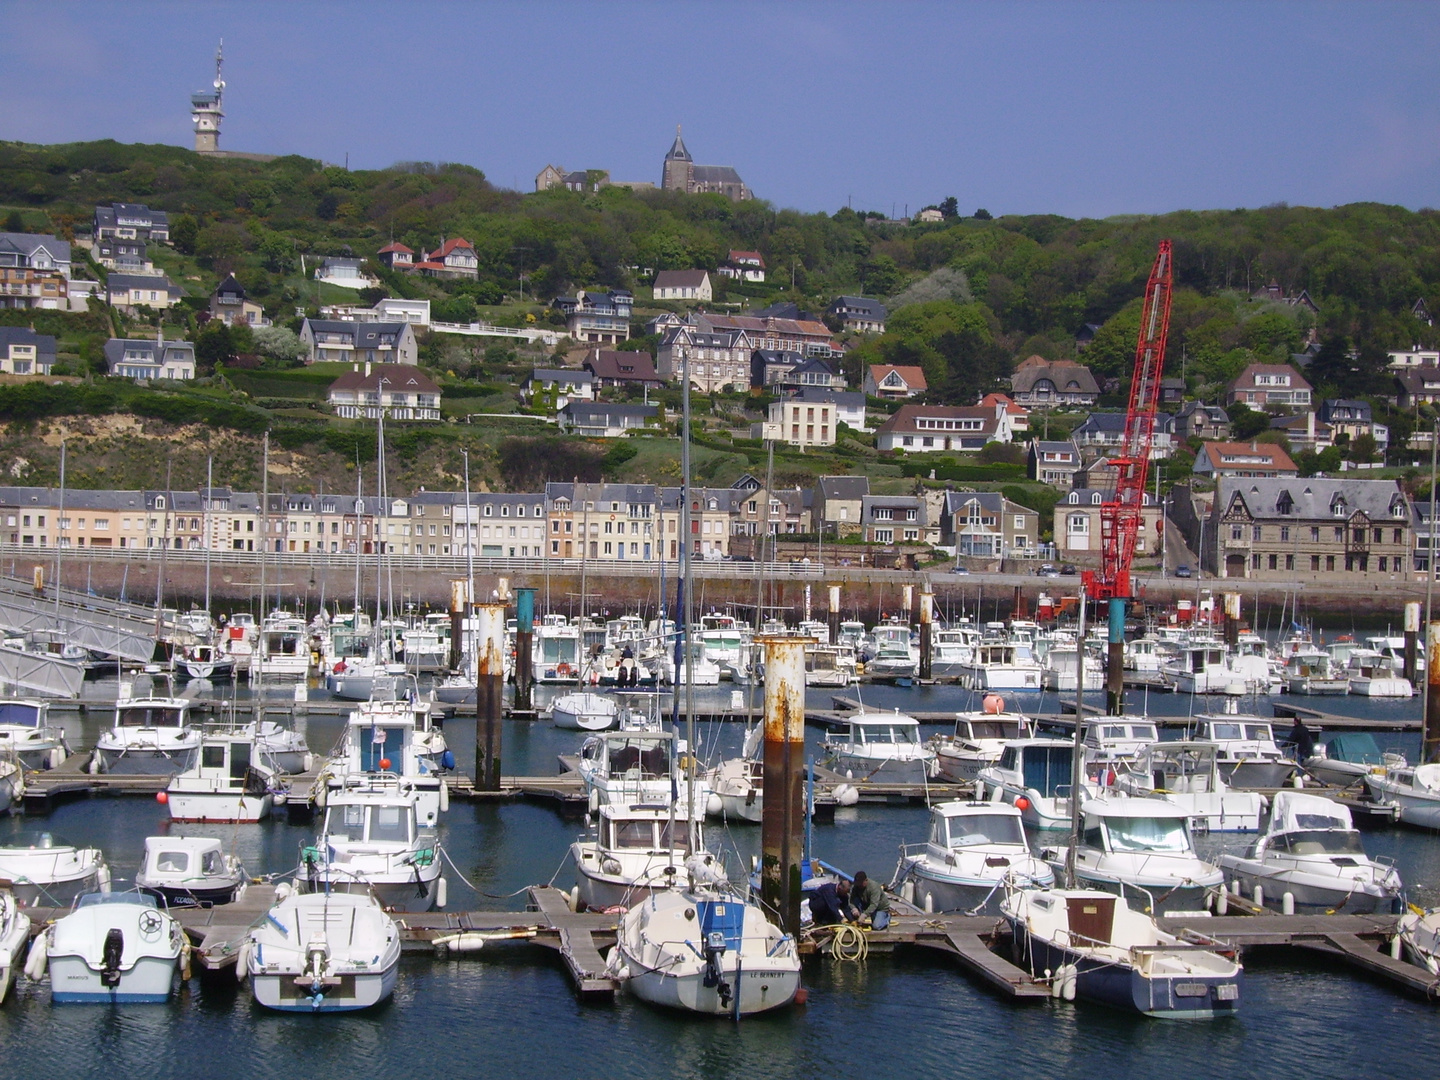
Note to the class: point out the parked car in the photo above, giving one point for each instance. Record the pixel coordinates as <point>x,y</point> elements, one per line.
<point>960,568</point>
<point>1047,570</point>
<point>1068,570</point>
<point>1182,571</point>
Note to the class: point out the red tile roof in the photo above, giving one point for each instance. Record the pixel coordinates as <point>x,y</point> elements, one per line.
<point>396,247</point>
<point>914,377</point>
<point>449,246</point>
<point>1275,457</point>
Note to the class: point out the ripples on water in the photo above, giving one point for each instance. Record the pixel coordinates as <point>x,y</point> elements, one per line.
<point>511,1012</point>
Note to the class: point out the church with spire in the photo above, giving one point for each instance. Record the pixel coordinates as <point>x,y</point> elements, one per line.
<point>680,173</point>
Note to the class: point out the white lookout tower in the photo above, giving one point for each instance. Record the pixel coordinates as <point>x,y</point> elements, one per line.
<point>205,110</point>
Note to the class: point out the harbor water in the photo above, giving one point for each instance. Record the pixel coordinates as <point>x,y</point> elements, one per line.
<point>510,1011</point>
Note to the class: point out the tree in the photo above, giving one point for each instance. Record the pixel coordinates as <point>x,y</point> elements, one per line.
<point>1245,422</point>
<point>14,221</point>
<point>183,233</point>
<point>279,344</point>
<point>276,253</point>
<point>983,215</point>
<point>213,346</point>
<point>879,276</point>
<point>1363,448</point>
<point>949,208</point>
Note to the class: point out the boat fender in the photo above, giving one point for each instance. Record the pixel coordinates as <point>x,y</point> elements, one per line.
<point>713,805</point>
<point>280,796</point>
<point>444,798</point>
<point>322,794</point>
<point>594,800</point>
<point>847,794</point>
<point>94,767</point>
<point>283,892</point>
<point>442,893</point>
<point>447,759</point>
<point>907,891</point>
<point>56,757</point>
<point>39,954</point>
<point>185,950</point>
<point>1071,976</point>
<point>242,958</point>
<point>574,898</point>
<point>102,879</point>
<point>1395,947</point>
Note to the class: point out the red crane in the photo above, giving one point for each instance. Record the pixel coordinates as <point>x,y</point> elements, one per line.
<point>1120,517</point>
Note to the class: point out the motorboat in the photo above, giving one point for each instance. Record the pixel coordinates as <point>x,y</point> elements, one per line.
<point>584,711</point>
<point>186,871</point>
<point>1032,775</point>
<point>14,939</point>
<point>371,842</point>
<point>829,665</point>
<point>722,641</point>
<point>283,748</point>
<point>1144,656</point>
<point>556,651</point>
<point>1140,849</point>
<point>880,747</point>
<point>1350,756</point>
<point>1003,666</point>
<point>206,660</point>
<point>1187,774</point>
<point>1313,672</point>
<point>633,766</point>
<point>737,784</point>
<point>978,740</point>
<point>50,874</point>
<point>636,850</point>
<point>952,648</point>
<point>229,783</point>
<point>1419,934</point>
<point>322,952</point>
<point>237,637</point>
<point>150,735</point>
<point>1414,789</point>
<point>1392,647</point>
<point>1312,853</point>
<point>424,650</point>
<point>705,950</point>
<point>1062,665</point>
<point>975,849</point>
<point>894,657</point>
<point>27,735</point>
<point>396,737</point>
<point>1203,668</point>
<point>1373,674</point>
<point>1111,740</point>
<point>365,678</point>
<point>1246,750</point>
<point>114,948</point>
<point>1099,948</point>
<point>282,649</point>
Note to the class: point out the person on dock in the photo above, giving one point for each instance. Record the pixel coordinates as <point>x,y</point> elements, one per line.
<point>870,901</point>
<point>1303,740</point>
<point>830,903</point>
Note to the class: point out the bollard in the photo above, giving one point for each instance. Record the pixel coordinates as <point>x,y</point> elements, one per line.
<point>927,630</point>
<point>783,813</point>
<point>1114,660</point>
<point>834,614</point>
<point>489,695</point>
<point>1412,636</point>
<point>459,598</point>
<point>524,646</point>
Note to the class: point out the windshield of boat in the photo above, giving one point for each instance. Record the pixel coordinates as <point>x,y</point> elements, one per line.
<point>1258,732</point>
<point>146,716</point>
<point>390,824</point>
<point>886,734</point>
<point>1143,834</point>
<point>19,713</point>
<point>1225,731</point>
<point>973,829</point>
<point>648,757</point>
<point>172,862</point>
<point>1320,842</point>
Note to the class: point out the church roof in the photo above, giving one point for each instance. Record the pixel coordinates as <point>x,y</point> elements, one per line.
<point>678,151</point>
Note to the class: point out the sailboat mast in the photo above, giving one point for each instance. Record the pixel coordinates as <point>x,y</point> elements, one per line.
<point>257,670</point>
<point>683,615</point>
<point>165,547</point>
<point>1077,769</point>
<point>209,490</point>
<point>465,645</point>
<point>60,534</point>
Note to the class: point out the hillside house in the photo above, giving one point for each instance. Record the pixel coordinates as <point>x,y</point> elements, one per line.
<point>343,341</point>
<point>1263,386</point>
<point>146,358</point>
<point>398,391</point>
<point>690,285</point>
<point>893,383</point>
<point>24,352</point>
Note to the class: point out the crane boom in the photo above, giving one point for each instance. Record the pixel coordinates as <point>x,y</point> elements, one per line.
<point>1121,516</point>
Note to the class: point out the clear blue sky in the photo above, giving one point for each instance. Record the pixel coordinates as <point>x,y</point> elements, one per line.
<point>1083,109</point>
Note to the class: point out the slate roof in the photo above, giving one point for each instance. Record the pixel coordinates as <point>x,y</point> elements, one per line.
<point>1312,497</point>
<point>620,366</point>
<point>401,378</point>
<point>680,279</point>
<point>23,335</point>
<point>844,487</point>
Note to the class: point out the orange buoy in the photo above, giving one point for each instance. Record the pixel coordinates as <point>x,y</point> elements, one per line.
<point>1022,803</point>
<point>385,764</point>
<point>993,704</point>
<point>162,797</point>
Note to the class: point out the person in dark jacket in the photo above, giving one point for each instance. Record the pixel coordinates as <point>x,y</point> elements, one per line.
<point>1303,740</point>
<point>870,901</point>
<point>830,903</point>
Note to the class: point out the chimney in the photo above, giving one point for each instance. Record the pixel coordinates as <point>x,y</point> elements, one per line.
<point>367,369</point>
<point>1310,427</point>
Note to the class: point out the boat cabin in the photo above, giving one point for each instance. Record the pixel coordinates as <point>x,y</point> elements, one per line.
<point>152,713</point>
<point>1127,826</point>
<point>883,729</point>
<point>1043,765</point>
<point>23,713</point>
<point>180,860</point>
<point>1178,767</point>
<point>630,755</point>
<point>956,825</point>
<point>651,829</point>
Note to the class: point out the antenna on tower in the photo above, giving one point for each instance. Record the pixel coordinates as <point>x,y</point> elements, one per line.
<point>219,62</point>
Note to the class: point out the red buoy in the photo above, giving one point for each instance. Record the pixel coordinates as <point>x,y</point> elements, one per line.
<point>385,764</point>
<point>1022,803</point>
<point>162,797</point>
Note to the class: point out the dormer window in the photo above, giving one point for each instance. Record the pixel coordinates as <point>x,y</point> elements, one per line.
<point>1337,508</point>
<point>159,502</point>
<point>489,510</point>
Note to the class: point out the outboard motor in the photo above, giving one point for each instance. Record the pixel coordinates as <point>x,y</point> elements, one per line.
<point>110,958</point>
<point>714,950</point>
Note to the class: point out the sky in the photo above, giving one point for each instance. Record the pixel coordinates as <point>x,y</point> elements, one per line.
<point>1084,109</point>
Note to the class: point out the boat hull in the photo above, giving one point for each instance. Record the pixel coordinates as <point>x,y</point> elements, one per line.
<point>1004,678</point>
<point>179,897</point>
<point>933,893</point>
<point>145,762</point>
<point>148,981</point>
<point>759,990</point>
<point>1257,774</point>
<point>959,768</point>
<point>749,806</point>
<point>1166,898</point>
<point>1382,688</point>
<point>362,991</point>
<point>1309,891</point>
<point>220,808</point>
<point>1188,996</point>
<point>881,770</point>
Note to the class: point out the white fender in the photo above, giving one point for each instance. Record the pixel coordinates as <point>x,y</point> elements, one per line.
<point>322,793</point>
<point>574,898</point>
<point>442,892</point>
<point>94,767</point>
<point>242,960</point>
<point>4,981</point>
<point>714,805</point>
<point>283,892</point>
<point>444,801</point>
<point>102,878</point>
<point>57,756</point>
<point>185,950</point>
<point>39,954</point>
<point>847,794</point>
<point>594,800</point>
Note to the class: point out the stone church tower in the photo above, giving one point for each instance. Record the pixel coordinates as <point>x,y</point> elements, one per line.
<point>205,111</point>
<point>679,166</point>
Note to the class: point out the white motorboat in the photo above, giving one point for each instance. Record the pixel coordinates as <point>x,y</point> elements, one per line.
<point>1032,775</point>
<point>185,871</point>
<point>1002,667</point>
<point>952,648</point>
<point>1246,750</point>
<point>1419,933</point>
<point>974,850</point>
<point>829,665</point>
<point>1414,789</point>
<point>1313,672</point>
<point>48,874</point>
<point>1112,740</point>
<point>636,850</point>
<point>556,651</point>
<point>282,649</point>
<point>208,661</point>
<point>894,657</point>
<point>396,737</point>
<point>1187,775</point>
<point>27,735</point>
<point>1062,665</point>
<point>584,711</point>
<point>705,950</point>
<point>1204,669</point>
<point>978,740</point>
<point>150,735</point>
<point>1373,674</point>
<point>1350,756</point>
<point>322,952</point>
<point>1141,849</point>
<point>878,747</point>
<point>1143,655</point>
<point>1097,947</point>
<point>366,678</point>
<point>638,766</point>
<point>1312,852</point>
<point>114,948</point>
<point>14,939</point>
<point>229,783</point>
<point>283,748</point>
<point>424,650</point>
<point>372,843</point>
